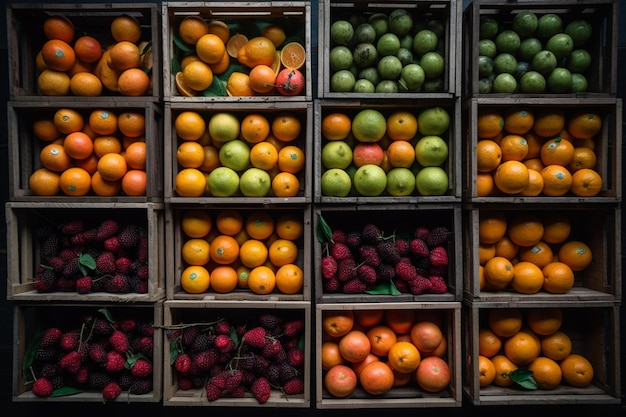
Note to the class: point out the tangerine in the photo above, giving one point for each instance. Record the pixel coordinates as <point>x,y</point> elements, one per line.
<point>75,182</point>
<point>262,280</point>
<point>289,279</point>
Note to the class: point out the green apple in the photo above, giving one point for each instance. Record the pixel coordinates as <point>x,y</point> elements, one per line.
<point>370,180</point>
<point>400,182</point>
<point>255,182</point>
<point>335,182</point>
<point>431,151</point>
<point>431,181</point>
<point>235,154</point>
<point>223,182</point>
<point>336,154</point>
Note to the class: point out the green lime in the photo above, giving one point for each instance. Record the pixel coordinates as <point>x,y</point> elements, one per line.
<point>342,81</point>
<point>405,56</point>
<point>433,85</point>
<point>504,83</point>
<point>579,60</point>
<point>437,26</point>
<point>433,121</point>
<point>579,83</point>
<point>487,47</point>
<point>425,41</point>
<point>548,25</point>
<point>364,86</point>
<point>389,67</point>
<point>369,125</point>
<point>489,27</point>
<point>340,58</point>
<point>412,77</point>
<point>388,86</point>
<point>365,32</point>
<point>335,182</point>
<point>508,41</point>
<point>505,62</point>
<point>560,45</point>
<point>525,23</point>
<point>528,48</point>
<point>485,66</point>
<point>532,82</point>
<point>522,68</point>
<point>341,32</point>
<point>544,62</point>
<point>580,30</point>
<point>406,42</point>
<point>388,44</point>
<point>370,74</point>
<point>433,64</point>
<point>365,55</point>
<point>484,86</point>
<point>356,19</point>
<point>559,80</point>
<point>380,23</point>
<point>400,22</point>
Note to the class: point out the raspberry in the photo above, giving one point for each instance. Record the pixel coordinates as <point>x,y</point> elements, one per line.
<point>438,284</point>
<point>438,256</point>
<point>405,271</point>
<point>141,368</point>
<point>111,391</point>
<point>419,248</point>
<point>294,327</point>
<point>367,274</point>
<point>340,251</point>
<point>261,389</point>
<point>369,255</point>
<point>182,363</point>
<point>329,267</point>
<point>339,236</point>
<point>294,386</point>
<point>346,270</point>
<point>419,285</point>
<point>255,337</point>
<point>51,337</point>
<point>354,286</point>
<point>42,387</point>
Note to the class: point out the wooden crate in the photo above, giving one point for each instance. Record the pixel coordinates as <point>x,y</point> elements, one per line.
<point>448,13</point>
<point>177,238</point>
<point>602,74</point>
<point>408,396</point>
<point>598,227</point>
<point>31,319</point>
<point>351,107</point>
<point>247,18</point>
<point>401,220</point>
<point>606,146</point>
<point>25,147</point>
<point>303,111</point>
<point>26,37</point>
<point>594,329</point>
<point>24,249</point>
<point>180,313</point>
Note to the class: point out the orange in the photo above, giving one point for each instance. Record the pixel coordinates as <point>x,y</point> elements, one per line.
<point>354,346</point>
<point>257,51</point>
<point>377,378</point>
<point>291,159</point>
<point>507,248</point>
<point>557,151</point>
<point>243,272</point>
<point>68,120</point>
<point>196,223</point>
<point>525,229</point>
<point>235,43</point>
<point>499,272</point>
<point>539,254</point>
<point>238,85</point>
<point>575,254</point>
<point>253,253</point>
<point>535,184</point>
<point>400,320</point>
<point>527,278</point>
<point>262,79</point>
<point>557,180</point>
<point>133,82</point>
<point>211,158</point>
<point>426,336</point>
<point>135,155</point>
<point>337,323</point>
<point>44,182</point>
<point>546,373</point>
<point>489,123</point>
<point>195,279</point>
<point>330,355</point>
<point>486,371</point>
<point>259,224</point>
<point>482,283</point>
<point>283,251</point>
<point>340,381</point>
<point>221,66</point>
<point>556,346</point>
<point>518,121</point>
<point>584,125</point>
<point>286,127</point>
<point>132,124</point>
<point>229,222</point>
<point>126,28</point>
<point>190,154</point>
<point>404,357</point>
<point>586,183</point>
<point>293,55</point>
<point>255,128</point>
<point>78,145</point>
<point>75,182</point>
<point>489,343</point>
<point>577,370</point>
<point>336,126</point>
<point>134,182</point>
<point>275,33</point>
<point>103,122</point>
<point>45,130</point>
<point>224,279</point>
<point>484,184</point>
<point>262,280</point>
<point>488,155</point>
<point>108,75</point>
<point>503,367</point>
<point>505,322</point>
<point>263,155</point>
<point>289,226</point>
<point>534,142</point>
<point>544,321</point>
<point>190,182</point>
<point>189,125</point>
<point>112,166</point>
<point>220,29</point>
<point>382,338</point>
<point>85,84</point>
<point>401,125</point>
<point>514,148</point>
<point>124,55</point>
<point>224,249</point>
<point>583,158</point>
<point>58,55</point>
<point>511,177</point>
<point>195,251</point>
<point>558,278</point>
<point>54,157</point>
<point>54,83</point>
<point>104,188</point>
<point>557,227</point>
<point>289,279</point>
<point>549,122</point>
<point>103,145</point>
<point>192,28</point>
<point>492,226</point>
<point>401,154</point>
<point>59,27</point>
<point>522,347</point>
<point>534,164</point>
<point>486,252</point>
<point>198,75</point>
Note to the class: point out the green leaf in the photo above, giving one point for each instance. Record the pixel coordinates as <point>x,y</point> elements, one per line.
<point>180,44</point>
<point>216,89</point>
<point>29,355</point>
<point>86,263</point>
<point>146,48</point>
<point>324,232</point>
<point>301,343</point>
<point>107,314</point>
<point>384,288</point>
<point>175,350</point>
<point>524,378</point>
<point>65,391</point>
<point>233,335</point>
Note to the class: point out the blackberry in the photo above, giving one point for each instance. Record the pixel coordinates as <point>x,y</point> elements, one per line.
<point>388,252</point>
<point>371,234</point>
<point>129,236</point>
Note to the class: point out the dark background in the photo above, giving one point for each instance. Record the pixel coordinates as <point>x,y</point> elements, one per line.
<point>47,408</point>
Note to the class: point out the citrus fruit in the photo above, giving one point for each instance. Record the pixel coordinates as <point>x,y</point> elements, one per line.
<point>293,55</point>
<point>195,279</point>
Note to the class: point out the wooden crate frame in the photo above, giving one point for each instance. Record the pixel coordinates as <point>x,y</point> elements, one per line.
<point>174,12</point>
<point>25,37</point>
<point>401,397</point>
<point>395,218</point>
<point>24,147</point>
<point>595,332</point>
<point>176,239</point>
<point>608,147</point>
<point>598,226</point>
<point>449,10</point>
<point>302,110</point>
<point>602,77</point>
<point>35,317</point>
<point>351,107</point>
<point>174,313</point>
<point>23,248</point>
